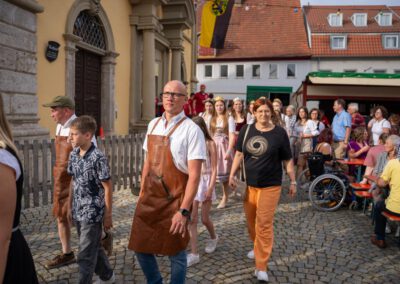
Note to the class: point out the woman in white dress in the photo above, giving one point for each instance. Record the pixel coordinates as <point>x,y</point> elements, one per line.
<point>379,124</point>
<point>208,113</point>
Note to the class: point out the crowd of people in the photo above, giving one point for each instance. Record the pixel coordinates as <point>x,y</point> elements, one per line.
<point>195,142</point>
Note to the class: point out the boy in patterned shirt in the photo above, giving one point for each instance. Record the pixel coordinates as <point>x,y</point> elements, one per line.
<point>90,200</point>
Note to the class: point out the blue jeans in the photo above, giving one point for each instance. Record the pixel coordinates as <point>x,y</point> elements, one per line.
<point>91,256</point>
<point>149,265</point>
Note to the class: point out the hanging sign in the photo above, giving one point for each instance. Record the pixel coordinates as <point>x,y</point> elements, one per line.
<point>52,51</point>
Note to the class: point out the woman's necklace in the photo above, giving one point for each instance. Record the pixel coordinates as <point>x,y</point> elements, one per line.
<point>263,129</point>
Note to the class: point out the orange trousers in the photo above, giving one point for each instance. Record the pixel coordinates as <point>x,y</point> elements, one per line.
<point>259,207</point>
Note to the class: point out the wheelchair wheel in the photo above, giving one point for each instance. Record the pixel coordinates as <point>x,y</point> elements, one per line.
<point>327,192</point>
<point>303,183</point>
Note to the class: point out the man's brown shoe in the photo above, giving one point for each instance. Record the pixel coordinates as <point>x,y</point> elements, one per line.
<point>61,260</point>
<point>379,243</point>
<point>107,243</point>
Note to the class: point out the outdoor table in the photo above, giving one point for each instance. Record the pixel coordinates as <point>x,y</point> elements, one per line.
<point>354,162</point>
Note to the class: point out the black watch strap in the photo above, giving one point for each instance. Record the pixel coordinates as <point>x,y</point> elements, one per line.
<point>184,212</point>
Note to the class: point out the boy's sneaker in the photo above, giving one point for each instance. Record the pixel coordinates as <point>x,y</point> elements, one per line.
<point>261,275</point>
<point>107,243</point>
<point>250,254</point>
<point>109,281</point>
<point>61,260</point>
<point>211,245</point>
<point>192,259</point>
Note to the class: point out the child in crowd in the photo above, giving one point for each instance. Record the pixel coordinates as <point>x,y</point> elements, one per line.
<point>90,200</point>
<point>205,195</point>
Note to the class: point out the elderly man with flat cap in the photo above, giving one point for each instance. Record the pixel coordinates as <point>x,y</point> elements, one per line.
<point>63,112</point>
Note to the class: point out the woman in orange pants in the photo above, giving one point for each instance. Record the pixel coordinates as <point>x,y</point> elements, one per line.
<point>262,148</point>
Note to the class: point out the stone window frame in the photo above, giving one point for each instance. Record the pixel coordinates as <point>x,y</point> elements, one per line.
<point>72,42</point>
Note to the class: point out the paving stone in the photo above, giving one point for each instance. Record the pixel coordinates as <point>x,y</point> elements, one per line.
<point>310,247</point>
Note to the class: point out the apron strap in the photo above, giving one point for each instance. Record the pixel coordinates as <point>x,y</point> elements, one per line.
<point>154,127</point>
<point>175,127</point>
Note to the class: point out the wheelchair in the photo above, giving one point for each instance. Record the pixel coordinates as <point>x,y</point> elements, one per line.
<point>327,186</point>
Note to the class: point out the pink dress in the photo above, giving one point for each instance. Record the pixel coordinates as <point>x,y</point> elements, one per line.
<point>205,179</point>
<point>222,142</point>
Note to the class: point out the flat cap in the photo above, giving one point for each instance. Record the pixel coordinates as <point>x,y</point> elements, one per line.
<point>61,101</point>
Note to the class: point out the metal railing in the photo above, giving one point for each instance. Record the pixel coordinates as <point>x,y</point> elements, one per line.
<point>125,158</point>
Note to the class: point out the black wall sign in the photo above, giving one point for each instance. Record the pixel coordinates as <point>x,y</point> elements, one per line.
<point>52,51</point>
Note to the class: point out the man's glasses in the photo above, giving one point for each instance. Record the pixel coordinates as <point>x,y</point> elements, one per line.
<point>173,95</point>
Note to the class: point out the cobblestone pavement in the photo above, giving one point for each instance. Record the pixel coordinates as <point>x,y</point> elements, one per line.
<point>310,247</point>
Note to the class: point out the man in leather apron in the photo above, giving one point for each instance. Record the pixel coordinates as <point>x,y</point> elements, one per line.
<point>175,148</point>
<point>62,111</point>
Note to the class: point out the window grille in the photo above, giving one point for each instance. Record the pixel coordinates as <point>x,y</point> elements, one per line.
<point>90,29</point>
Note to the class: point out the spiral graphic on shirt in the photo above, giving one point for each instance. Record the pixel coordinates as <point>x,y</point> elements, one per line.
<point>257,146</point>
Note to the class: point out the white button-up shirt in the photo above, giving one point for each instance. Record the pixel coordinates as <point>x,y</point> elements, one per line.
<point>63,129</point>
<point>187,142</point>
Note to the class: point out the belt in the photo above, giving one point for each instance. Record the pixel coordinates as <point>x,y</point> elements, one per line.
<point>15,229</point>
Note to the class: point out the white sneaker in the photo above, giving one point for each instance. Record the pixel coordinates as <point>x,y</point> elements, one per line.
<point>250,254</point>
<point>211,245</point>
<point>387,229</point>
<point>109,281</point>
<point>261,275</point>
<point>192,259</point>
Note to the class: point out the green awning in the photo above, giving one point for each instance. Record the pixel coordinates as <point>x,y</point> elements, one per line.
<point>347,78</point>
<point>353,75</point>
<point>254,92</point>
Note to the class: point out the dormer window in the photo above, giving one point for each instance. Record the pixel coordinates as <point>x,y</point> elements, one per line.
<point>384,19</point>
<point>338,41</point>
<point>391,41</point>
<point>335,19</point>
<point>359,19</point>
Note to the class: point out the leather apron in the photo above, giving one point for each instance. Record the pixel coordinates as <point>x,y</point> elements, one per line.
<point>160,198</point>
<point>62,180</point>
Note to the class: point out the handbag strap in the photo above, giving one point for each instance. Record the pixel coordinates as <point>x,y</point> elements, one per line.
<point>244,139</point>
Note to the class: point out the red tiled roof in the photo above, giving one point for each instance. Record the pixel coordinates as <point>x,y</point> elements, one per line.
<point>317,19</point>
<point>357,45</point>
<point>267,29</point>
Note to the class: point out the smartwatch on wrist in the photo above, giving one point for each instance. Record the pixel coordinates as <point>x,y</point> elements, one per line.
<point>185,212</point>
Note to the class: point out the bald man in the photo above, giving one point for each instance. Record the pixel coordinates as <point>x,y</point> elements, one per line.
<point>175,149</point>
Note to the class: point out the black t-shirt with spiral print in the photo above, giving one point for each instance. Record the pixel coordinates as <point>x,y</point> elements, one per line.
<point>263,155</point>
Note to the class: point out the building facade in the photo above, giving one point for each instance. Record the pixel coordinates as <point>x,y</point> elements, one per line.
<point>266,52</point>
<point>355,56</point>
<point>111,57</point>
<point>354,39</point>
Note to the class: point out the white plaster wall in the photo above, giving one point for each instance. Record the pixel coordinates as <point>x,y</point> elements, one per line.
<point>232,87</point>
<point>362,65</point>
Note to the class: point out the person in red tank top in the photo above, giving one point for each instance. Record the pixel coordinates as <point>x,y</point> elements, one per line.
<point>198,100</point>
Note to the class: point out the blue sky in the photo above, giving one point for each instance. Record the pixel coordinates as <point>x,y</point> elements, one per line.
<point>351,2</point>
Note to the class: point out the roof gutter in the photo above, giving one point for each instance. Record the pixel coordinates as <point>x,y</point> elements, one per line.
<point>242,59</point>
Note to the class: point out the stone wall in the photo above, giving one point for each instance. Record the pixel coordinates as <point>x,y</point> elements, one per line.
<point>18,51</point>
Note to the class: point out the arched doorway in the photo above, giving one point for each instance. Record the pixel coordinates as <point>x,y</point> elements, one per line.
<point>88,66</point>
<point>90,62</point>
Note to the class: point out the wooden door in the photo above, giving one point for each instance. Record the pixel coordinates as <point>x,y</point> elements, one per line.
<point>88,85</point>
